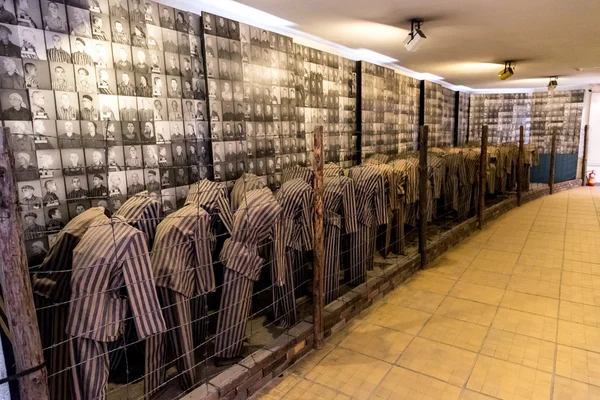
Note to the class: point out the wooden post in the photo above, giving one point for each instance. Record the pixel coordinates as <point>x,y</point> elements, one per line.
<point>520,160</point>
<point>16,286</point>
<point>585,155</point>
<point>423,136</point>
<point>483,161</point>
<point>319,239</point>
<point>552,162</point>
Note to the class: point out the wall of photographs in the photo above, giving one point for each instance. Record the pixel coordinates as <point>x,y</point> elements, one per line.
<point>504,114</point>
<point>104,98</point>
<point>410,94</point>
<point>563,112</point>
<point>440,103</point>
<point>537,112</point>
<point>463,117</point>
<point>252,101</point>
<point>326,95</point>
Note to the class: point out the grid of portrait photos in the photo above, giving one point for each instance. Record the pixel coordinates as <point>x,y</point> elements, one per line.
<point>561,111</point>
<point>503,114</point>
<point>103,99</point>
<point>440,103</point>
<point>252,101</point>
<point>410,94</point>
<point>463,117</point>
<point>326,91</point>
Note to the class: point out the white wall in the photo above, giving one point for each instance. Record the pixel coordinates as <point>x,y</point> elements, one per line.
<point>594,134</point>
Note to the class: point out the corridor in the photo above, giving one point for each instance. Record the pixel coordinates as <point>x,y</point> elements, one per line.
<point>511,313</point>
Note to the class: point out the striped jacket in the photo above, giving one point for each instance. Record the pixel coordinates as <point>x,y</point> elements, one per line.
<point>295,172</point>
<point>253,224</point>
<point>370,195</point>
<point>112,257</point>
<point>243,185</point>
<point>143,213</point>
<point>53,278</point>
<point>181,257</point>
<point>332,169</point>
<point>213,197</point>
<point>339,203</point>
<point>294,229</point>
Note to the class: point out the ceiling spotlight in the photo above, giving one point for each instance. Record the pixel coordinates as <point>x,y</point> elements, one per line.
<point>552,85</point>
<point>508,70</point>
<point>416,37</point>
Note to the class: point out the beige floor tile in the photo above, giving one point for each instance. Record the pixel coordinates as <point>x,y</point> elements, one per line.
<point>467,310</point>
<point>486,278</point>
<point>527,324</point>
<point>446,271</point>
<point>579,335</point>
<point>495,255</point>
<point>417,299</point>
<point>530,303</point>
<point>506,380</point>
<point>583,267</point>
<point>580,365</point>
<point>579,294</point>
<point>471,395</point>
<point>302,367</point>
<point>580,313</point>
<point>349,372</point>
<point>376,341</point>
<point>465,335</point>
<point>581,279</point>
<point>306,390</point>
<point>539,273</point>
<point>519,349</point>
<point>277,388</point>
<point>401,319</point>
<point>583,257</point>
<point>438,360</point>
<point>541,260</point>
<point>482,294</point>
<point>504,246</point>
<point>431,283</point>
<point>567,389</point>
<point>534,286</point>
<point>493,266</point>
<point>402,384</point>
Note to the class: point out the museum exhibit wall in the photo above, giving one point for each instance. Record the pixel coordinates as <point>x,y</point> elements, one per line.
<point>440,103</point>
<point>464,101</point>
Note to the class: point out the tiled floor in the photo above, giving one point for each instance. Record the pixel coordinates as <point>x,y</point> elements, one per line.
<point>511,313</point>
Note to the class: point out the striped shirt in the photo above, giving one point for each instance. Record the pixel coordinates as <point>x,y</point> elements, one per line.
<point>253,224</point>
<point>370,195</point>
<point>70,113</point>
<point>244,184</point>
<point>82,58</point>
<point>101,269</point>
<point>332,169</point>
<point>143,213</point>
<point>181,258</point>
<point>339,200</point>
<point>212,197</point>
<point>58,55</point>
<point>53,278</point>
<point>296,172</point>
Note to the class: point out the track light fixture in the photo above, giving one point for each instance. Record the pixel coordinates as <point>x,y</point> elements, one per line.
<point>552,85</point>
<point>416,37</point>
<point>508,70</point>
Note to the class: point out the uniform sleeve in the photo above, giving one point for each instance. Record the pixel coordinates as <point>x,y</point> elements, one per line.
<point>349,204</point>
<point>381,210</point>
<point>307,220</point>
<point>202,249</point>
<point>225,211</point>
<point>139,281</point>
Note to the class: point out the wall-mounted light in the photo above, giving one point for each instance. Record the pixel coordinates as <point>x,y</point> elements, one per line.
<point>416,37</point>
<point>508,70</point>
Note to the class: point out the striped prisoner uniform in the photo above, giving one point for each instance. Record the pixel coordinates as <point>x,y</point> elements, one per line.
<point>244,184</point>
<point>339,205</point>
<point>52,290</point>
<point>182,266</point>
<point>304,173</point>
<point>371,212</point>
<point>294,234</point>
<point>97,311</point>
<point>253,224</point>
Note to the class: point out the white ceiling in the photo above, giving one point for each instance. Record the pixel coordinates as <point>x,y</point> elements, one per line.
<point>467,40</point>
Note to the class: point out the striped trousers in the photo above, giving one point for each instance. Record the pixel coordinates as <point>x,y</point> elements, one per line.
<point>236,303</point>
<point>89,374</point>
<point>284,300</point>
<point>332,263</point>
<point>398,244</point>
<point>178,318</point>
<point>359,253</point>
<point>52,320</point>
